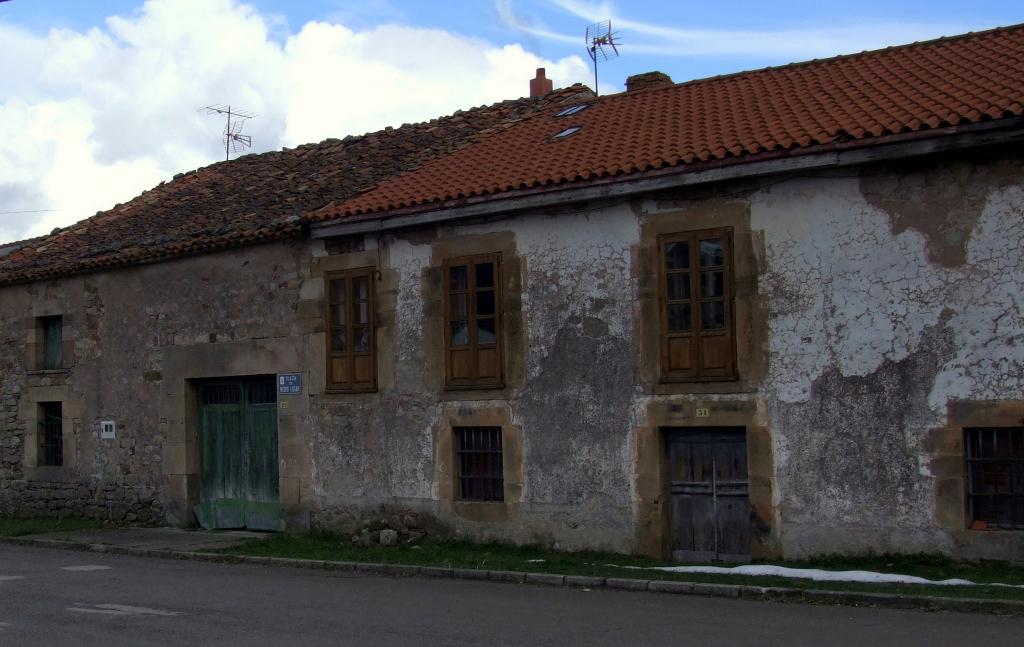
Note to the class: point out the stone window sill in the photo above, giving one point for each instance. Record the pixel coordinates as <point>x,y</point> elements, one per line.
<point>50,371</point>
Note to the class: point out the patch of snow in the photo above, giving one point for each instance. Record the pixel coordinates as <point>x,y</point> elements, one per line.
<point>817,575</point>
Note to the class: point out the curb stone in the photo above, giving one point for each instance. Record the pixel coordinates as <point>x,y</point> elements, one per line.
<point>626,584</point>
<point>717,590</point>
<point>671,587</point>
<point>469,574</point>
<point>437,571</point>
<point>668,586</point>
<point>585,581</point>
<point>551,579</point>
<point>507,576</point>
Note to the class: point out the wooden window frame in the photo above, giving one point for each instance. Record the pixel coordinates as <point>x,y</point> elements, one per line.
<point>48,327</point>
<point>698,337</point>
<point>350,355</point>
<point>480,461</point>
<point>474,381</point>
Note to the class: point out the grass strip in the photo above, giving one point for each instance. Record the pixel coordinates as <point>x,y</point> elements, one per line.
<point>504,557</point>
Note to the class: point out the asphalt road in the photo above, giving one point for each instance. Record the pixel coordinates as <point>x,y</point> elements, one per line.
<point>56,597</point>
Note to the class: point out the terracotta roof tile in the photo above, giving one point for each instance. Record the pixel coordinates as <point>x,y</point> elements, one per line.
<point>255,197</point>
<point>851,99</point>
<point>485,153</point>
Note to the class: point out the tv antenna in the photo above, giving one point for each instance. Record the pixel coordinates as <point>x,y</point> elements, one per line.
<point>602,44</point>
<point>234,140</point>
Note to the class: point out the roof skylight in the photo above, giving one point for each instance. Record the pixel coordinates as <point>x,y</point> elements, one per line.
<point>572,130</point>
<point>571,110</point>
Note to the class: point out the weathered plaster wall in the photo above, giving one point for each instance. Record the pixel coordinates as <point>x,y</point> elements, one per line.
<point>894,296</point>
<point>569,379</point>
<point>878,312</point>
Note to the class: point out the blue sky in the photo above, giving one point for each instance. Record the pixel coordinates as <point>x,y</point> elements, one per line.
<point>847,25</point>
<point>102,100</point>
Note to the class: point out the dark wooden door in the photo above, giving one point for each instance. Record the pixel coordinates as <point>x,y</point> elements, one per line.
<point>710,504</point>
<point>238,461</point>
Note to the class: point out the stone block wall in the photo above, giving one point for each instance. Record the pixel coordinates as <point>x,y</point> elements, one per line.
<point>878,311</point>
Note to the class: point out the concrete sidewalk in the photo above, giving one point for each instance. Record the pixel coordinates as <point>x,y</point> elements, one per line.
<point>169,539</point>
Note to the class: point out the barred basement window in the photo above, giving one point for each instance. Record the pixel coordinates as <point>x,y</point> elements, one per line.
<point>221,394</point>
<point>481,472</point>
<point>351,351</point>
<point>695,295</point>
<point>52,329</point>
<point>51,434</point>
<point>263,392</point>
<point>995,476</point>
<point>472,307</point>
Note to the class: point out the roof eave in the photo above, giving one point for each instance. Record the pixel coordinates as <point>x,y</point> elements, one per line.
<point>816,158</point>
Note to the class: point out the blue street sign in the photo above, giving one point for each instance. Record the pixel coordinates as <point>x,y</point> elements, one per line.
<point>289,383</point>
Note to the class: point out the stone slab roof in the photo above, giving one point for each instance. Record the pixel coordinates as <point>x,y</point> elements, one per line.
<point>255,197</point>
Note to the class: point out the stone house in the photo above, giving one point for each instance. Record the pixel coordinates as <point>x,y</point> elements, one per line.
<point>776,313</point>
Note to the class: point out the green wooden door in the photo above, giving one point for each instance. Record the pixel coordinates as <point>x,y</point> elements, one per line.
<point>238,464</point>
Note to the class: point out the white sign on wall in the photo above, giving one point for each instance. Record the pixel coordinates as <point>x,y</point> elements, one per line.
<point>108,430</point>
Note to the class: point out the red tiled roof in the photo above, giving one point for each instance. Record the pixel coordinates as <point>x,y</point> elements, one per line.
<point>256,197</point>
<point>859,99</point>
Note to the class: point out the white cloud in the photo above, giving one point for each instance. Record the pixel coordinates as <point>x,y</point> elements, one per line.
<point>92,118</point>
<point>787,44</point>
<point>529,25</point>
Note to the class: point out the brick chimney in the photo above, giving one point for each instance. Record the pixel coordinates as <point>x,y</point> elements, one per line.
<point>540,85</point>
<point>648,81</point>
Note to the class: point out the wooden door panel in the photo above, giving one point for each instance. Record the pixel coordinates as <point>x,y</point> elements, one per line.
<point>693,526</point>
<point>680,353</point>
<point>363,377</point>
<point>730,460</point>
<point>733,517</point>
<point>461,364</point>
<point>714,352</point>
<point>339,370</point>
<point>710,509</point>
<point>238,484</point>
<point>487,364</point>
<point>221,492</point>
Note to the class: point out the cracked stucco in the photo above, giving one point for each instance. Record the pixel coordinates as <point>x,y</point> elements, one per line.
<point>870,340</point>
<point>848,293</point>
<point>873,328</point>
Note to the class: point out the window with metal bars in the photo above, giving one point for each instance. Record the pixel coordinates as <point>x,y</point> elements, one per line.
<point>481,471</point>
<point>263,392</point>
<point>696,303</point>
<point>995,476</point>
<point>351,353</point>
<point>221,394</point>
<point>51,434</point>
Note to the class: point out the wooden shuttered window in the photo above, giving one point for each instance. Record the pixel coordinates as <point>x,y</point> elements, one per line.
<point>696,302</point>
<point>351,344</point>
<point>53,342</point>
<point>472,322</point>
